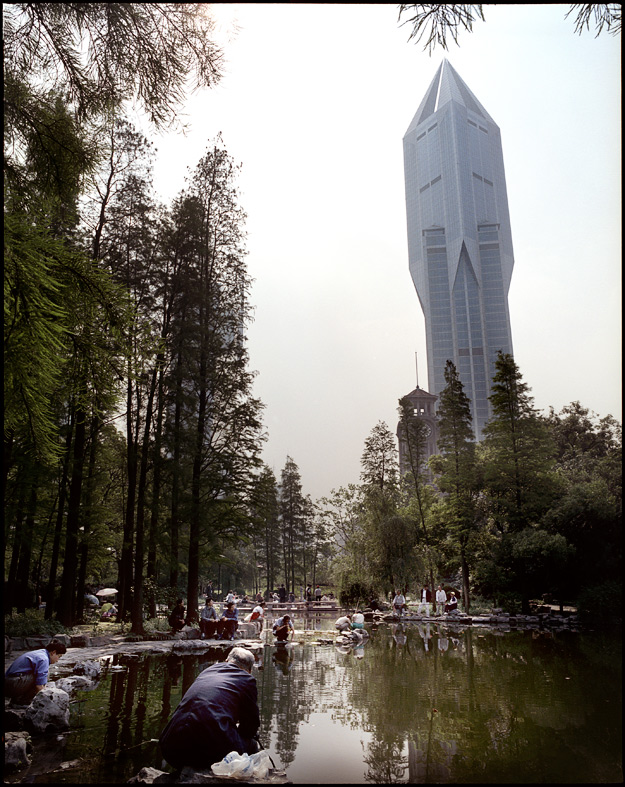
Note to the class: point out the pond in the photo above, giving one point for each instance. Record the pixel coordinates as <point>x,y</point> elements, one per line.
<point>418,703</point>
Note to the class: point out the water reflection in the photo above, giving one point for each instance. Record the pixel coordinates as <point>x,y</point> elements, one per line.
<point>436,705</point>
<point>412,703</point>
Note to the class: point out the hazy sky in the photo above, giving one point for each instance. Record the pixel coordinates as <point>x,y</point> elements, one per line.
<point>314,104</point>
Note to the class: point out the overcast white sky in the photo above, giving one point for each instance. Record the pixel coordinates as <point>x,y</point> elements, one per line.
<point>314,104</point>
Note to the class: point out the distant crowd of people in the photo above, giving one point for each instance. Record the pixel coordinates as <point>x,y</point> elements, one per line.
<point>444,603</point>
<point>216,624</point>
<point>223,623</point>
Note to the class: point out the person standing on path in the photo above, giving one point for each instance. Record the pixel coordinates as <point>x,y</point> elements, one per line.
<point>426,600</point>
<point>441,598</point>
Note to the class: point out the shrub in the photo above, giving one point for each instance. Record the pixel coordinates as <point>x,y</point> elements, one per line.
<point>31,623</point>
<point>601,603</point>
<point>154,625</point>
<point>509,602</point>
<point>356,593</point>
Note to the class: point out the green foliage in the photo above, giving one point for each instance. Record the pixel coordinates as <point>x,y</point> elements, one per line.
<point>155,594</point>
<point>356,593</point>
<point>156,626</point>
<point>102,54</point>
<point>602,603</point>
<point>518,453</point>
<point>31,623</point>
<point>541,560</point>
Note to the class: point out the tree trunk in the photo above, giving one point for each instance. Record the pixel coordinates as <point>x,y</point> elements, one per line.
<point>194,524</point>
<point>151,569</point>
<point>67,601</point>
<point>87,519</point>
<point>11,586</point>
<point>175,483</point>
<point>58,528</point>
<point>137,604</point>
<point>125,578</point>
<point>23,585</point>
<point>44,538</point>
<point>465,580</point>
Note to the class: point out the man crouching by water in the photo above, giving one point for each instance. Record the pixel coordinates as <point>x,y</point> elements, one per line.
<point>217,715</point>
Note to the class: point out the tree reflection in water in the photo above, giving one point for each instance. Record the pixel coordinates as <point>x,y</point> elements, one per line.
<point>416,703</point>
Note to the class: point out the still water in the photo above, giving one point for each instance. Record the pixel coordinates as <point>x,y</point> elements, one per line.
<point>418,704</point>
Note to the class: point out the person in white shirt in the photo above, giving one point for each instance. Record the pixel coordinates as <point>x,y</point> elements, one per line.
<point>258,613</point>
<point>452,604</point>
<point>344,623</point>
<point>358,620</point>
<point>441,598</point>
<point>399,603</point>
<point>426,600</point>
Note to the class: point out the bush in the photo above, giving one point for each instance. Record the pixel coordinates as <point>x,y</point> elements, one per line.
<point>509,602</point>
<point>155,625</point>
<point>601,603</point>
<point>164,596</point>
<point>356,593</point>
<point>31,623</point>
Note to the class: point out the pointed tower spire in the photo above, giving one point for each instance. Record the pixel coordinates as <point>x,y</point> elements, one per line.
<point>446,86</point>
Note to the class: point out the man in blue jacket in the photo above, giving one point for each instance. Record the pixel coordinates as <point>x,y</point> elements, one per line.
<point>217,715</point>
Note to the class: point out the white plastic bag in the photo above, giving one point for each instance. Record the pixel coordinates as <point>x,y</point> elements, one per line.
<point>261,763</point>
<point>243,766</point>
<point>233,764</point>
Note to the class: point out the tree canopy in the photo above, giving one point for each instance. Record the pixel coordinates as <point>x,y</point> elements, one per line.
<point>439,22</point>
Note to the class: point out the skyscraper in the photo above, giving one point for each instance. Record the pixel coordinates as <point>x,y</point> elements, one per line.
<point>459,238</point>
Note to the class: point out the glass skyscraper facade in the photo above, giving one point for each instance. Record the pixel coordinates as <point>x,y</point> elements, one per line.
<point>459,237</point>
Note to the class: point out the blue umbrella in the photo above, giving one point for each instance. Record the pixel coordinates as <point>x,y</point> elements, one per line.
<point>92,599</point>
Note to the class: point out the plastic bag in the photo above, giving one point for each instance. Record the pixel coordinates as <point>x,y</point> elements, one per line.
<point>243,766</point>
<point>261,763</point>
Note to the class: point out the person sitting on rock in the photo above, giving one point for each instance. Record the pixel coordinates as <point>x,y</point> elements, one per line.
<point>209,620</point>
<point>29,672</point>
<point>281,628</point>
<point>452,604</point>
<point>258,613</point>
<point>399,603</point>
<point>229,621</point>
<point>176,619</point>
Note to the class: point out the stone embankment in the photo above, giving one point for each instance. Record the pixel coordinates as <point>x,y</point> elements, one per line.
<point>497,619</point>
